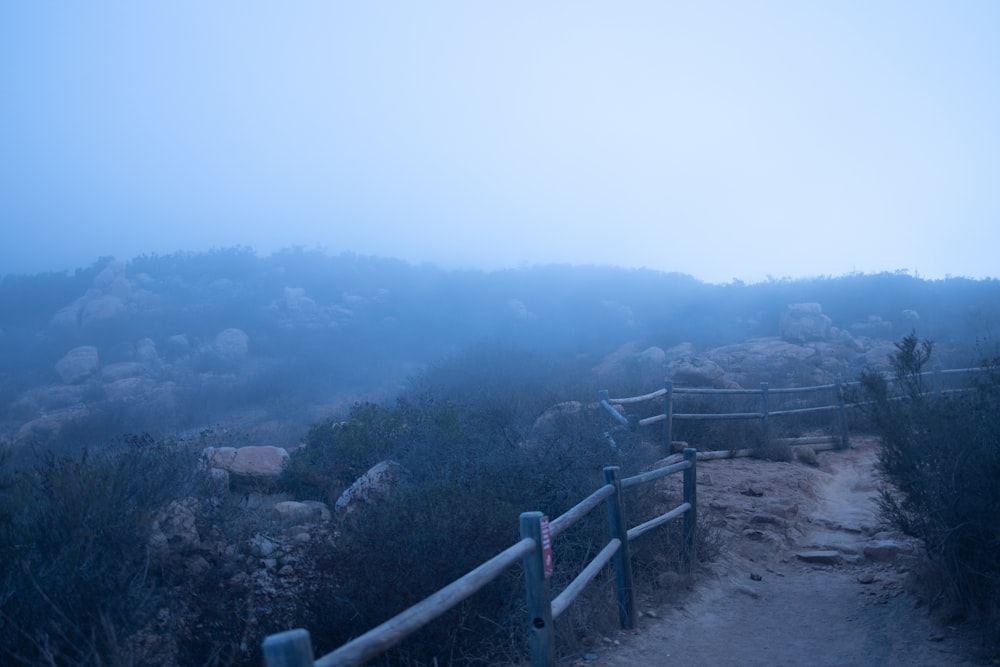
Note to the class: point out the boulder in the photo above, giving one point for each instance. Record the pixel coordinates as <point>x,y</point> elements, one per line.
<point>42,400</point>
<point>804,322</point>
<point>48,425</point>
<point>131,389</point>
<point>378,483</point>
<point>263,462</point>
<point>696,372</point>
<point>122,370</point>
<point>555,420</point>
<point>78,364</point>
<point>145,352</point>
<point>654,356</point>
<point>232,343</point>
<point>100,307</point>
<point>175,529</point>
<point>296,513</point>
<point>882,551</point>
<point>822,556</point>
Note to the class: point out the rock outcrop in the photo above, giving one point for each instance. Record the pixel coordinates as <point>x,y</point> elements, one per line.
<point>378,483</point>
<point>232,344</point>
<point>804,322</point>
<point>260,463</point>
<point>78,364</point>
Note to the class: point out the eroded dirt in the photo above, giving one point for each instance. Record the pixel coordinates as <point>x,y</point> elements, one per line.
<point>764,601</point>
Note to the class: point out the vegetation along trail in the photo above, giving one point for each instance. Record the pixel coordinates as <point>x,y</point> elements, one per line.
<point>808,575</point>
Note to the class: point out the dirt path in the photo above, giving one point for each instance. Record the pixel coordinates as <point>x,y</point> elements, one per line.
<point>765,601</point>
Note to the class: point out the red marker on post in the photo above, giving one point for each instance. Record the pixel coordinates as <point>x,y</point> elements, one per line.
<point>547,560</point>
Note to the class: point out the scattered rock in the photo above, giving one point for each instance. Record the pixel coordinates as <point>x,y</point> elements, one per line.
<point>292,512</point>
<point>806,455</point>
<point>882,551</point>
<point>866,578</point>
<point>819,556</point>
<point>261,546</point>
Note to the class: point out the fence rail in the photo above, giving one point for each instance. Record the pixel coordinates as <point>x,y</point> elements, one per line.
<point>293,648</point>
<point>763,414</point>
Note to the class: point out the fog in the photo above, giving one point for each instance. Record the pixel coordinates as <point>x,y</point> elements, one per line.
<point>721,141</point>
<point>268,345</point>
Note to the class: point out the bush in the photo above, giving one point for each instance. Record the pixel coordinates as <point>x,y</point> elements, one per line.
<point>75,579</point>
<point>473,465</point>
<point>940,458</point>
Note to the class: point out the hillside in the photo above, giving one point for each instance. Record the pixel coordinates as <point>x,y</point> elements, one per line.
<point>265,346</point>
<point>200,450</point>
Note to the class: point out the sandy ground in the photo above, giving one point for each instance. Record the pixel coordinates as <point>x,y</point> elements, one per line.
<point>761,602</point>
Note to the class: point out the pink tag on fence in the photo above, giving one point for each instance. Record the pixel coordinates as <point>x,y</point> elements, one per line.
<point>547,560</point>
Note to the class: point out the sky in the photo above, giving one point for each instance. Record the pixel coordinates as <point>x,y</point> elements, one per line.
<point>740,140</point>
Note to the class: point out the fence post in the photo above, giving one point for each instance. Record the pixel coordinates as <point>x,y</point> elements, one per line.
<point>539,597</point>
<point>668,410</point>
<point>845,441</point>
<point>291,648</point>
<point>690,496</point>
<point>765,439</point>
<point>622,559</point>
<point>602,395</point>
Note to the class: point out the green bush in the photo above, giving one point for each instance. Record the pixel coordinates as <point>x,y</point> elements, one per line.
<point>940,456</point>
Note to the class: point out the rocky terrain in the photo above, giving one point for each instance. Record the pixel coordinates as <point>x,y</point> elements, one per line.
<point>237,357</point>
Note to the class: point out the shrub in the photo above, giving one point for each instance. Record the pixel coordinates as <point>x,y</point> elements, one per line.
<point>939,454</point>
<point>472,469</point>
<point>75,580</point>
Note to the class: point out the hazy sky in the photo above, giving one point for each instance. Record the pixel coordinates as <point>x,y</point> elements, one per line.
<point>722,139</point>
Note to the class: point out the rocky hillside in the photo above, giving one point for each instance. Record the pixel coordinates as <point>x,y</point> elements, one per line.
<point>266,346</point>
<point>251,496</point>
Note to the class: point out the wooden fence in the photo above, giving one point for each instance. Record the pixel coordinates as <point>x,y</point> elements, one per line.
<point>837,392</point>
<point>534,551</point>
<point>763,415</point>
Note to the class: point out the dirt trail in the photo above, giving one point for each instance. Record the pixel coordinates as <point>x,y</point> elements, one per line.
<point>761,603</point>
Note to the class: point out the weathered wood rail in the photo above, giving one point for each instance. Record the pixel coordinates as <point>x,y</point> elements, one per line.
<point>764,414</point>
<point>534,551</point>
<point>838,389</point>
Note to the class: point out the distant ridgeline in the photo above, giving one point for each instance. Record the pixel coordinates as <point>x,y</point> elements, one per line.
<point>165,343</point>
